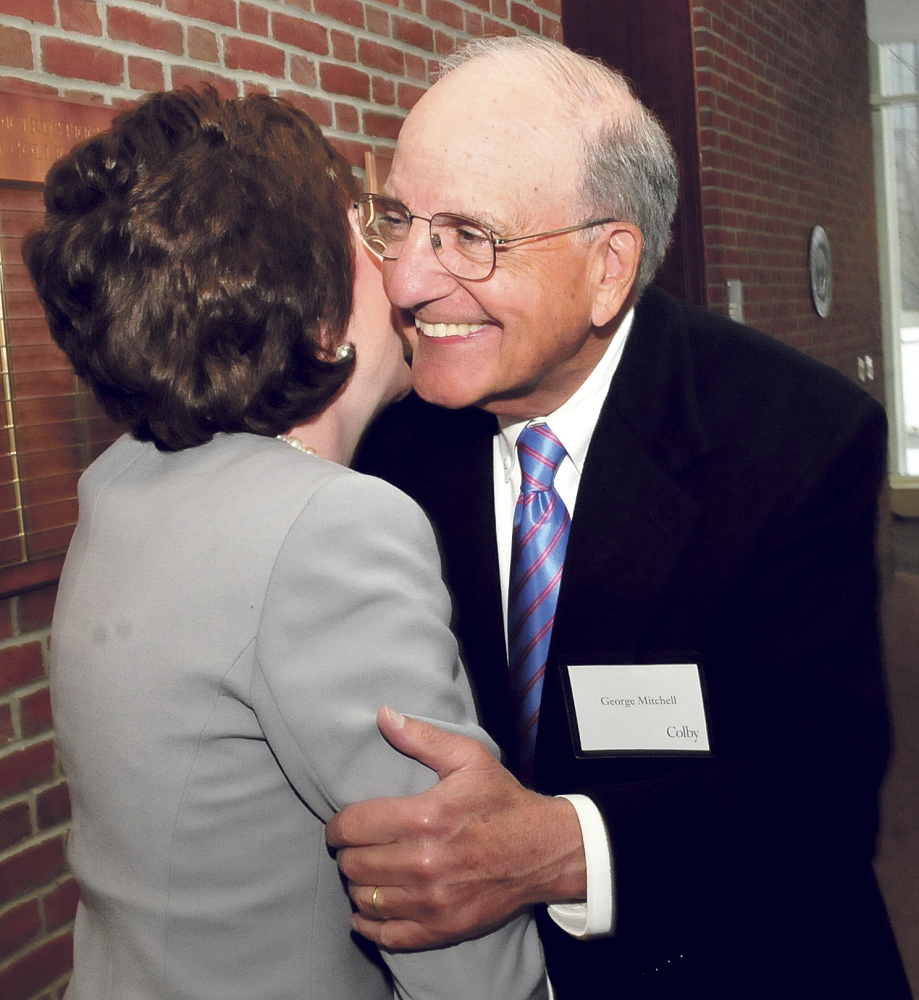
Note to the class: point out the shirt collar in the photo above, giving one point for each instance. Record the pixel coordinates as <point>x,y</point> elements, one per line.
<point>574,421</point>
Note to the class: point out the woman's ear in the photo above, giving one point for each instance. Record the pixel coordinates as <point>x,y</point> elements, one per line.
<point>342,351</point>
<point>327,345</point>
<point>621,256</point>
<point>354,220</point>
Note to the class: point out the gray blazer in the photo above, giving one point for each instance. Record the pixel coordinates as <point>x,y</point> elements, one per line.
<point>229,620</point>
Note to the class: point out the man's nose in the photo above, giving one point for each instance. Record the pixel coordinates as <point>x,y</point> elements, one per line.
<point>416,275</point>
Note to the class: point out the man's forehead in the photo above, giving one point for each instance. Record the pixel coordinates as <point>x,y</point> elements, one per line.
<point>462,150</point>
<point>480,189</point>
<point>483,103</point>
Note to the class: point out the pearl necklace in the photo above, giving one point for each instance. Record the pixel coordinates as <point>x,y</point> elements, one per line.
<point>295,442</point>
<point>344,351</point>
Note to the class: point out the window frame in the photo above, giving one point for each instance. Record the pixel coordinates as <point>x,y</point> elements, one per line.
<point>882,103</point>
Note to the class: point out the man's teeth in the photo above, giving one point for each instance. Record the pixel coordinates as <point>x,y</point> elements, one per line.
<point>446,329</point>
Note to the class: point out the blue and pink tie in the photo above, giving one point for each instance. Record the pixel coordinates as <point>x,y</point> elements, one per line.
<point>541,526</point>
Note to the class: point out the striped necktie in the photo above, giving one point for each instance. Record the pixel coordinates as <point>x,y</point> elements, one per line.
<point>541,526</point>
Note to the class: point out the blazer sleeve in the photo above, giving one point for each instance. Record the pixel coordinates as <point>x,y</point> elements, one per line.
<point>355,617</point>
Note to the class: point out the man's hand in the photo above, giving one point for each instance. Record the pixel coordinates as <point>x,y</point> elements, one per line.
<point>460,859</point>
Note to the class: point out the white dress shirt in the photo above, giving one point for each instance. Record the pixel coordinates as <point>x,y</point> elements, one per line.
<point>573,424</point>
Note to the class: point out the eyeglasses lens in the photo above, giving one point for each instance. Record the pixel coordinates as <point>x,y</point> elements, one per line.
<point>463,247</point>
<point>384,225</point>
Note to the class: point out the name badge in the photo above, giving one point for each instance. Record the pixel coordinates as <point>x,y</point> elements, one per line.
<point>653,709</point>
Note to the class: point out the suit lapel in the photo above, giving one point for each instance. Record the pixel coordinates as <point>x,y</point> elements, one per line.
<point>460,501</point>
<point>632,518</point>
<point>631,523</point>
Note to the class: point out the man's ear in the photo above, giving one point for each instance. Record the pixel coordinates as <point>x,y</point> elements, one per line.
<point>620,259</point>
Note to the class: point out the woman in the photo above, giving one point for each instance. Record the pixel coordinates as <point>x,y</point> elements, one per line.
<point>233,612</point>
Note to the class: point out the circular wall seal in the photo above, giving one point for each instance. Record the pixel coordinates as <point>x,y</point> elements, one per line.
<point>820,265</point>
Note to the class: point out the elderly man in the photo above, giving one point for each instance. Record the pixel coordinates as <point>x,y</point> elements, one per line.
<point>658,527</point>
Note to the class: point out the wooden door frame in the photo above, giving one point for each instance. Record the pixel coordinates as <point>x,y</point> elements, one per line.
<point>651,42</point>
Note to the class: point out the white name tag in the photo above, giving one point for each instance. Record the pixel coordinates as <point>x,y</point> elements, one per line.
<point>654,708</point>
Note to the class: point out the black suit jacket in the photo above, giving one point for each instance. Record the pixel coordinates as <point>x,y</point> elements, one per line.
<point>727,509</point>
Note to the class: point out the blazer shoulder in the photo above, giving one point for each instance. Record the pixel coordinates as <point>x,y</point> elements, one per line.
<point>738,373</point>
<point>414,439</point>
<point>238,493</point>
<point>721,347</point>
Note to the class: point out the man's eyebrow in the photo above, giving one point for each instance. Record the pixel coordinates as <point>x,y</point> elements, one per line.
<point>498,226</point>
<point>505,227</point>
<point>483,216</point>
<point>487,219</point>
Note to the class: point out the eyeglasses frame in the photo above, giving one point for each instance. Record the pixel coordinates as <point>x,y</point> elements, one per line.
<point>496,241</point>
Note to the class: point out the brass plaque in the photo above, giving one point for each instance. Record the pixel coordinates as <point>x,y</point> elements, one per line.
<point>36,131</point>
<point>50,429</point>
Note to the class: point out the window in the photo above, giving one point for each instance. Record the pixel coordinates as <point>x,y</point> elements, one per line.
<point>896,118</point>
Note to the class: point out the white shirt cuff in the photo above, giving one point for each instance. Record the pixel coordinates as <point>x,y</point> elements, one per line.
<point>596,917</point>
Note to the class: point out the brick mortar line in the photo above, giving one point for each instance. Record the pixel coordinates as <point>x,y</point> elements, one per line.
<point>55,883</point>
<point>26,638</point>
<point>777,79</point>
<point>119,92</point>
<point>21,692</point>
<point>7,908</point>
<point>26,744</point>
<point>29,796</point>
<point>59,832</point>
<point>34,943</point>
<point>322,20</point>
<point>68,87</point>
<point>39,30</point>
<point>170,61</point>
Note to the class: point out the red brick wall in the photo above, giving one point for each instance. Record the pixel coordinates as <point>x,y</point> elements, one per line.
<point>37,895</point>
<point>356,66</point>
<point>785,143</point>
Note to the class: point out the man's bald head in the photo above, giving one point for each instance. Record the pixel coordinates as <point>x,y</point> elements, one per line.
<point>626,165</point>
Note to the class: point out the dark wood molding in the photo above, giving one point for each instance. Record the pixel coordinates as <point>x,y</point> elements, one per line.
<point>651,42</point>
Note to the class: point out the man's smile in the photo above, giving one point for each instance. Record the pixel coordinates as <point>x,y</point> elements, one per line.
<point>446,329</point>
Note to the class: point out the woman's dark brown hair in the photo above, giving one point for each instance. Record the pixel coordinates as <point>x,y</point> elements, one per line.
<point>196,266</point>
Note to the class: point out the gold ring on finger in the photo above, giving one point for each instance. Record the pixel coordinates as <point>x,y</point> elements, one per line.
<point>375,903</point>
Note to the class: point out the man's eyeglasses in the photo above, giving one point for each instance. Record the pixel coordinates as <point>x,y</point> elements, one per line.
<point>466,248</point>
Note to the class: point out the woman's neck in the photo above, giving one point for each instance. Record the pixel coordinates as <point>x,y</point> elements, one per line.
<point>332,434</point>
